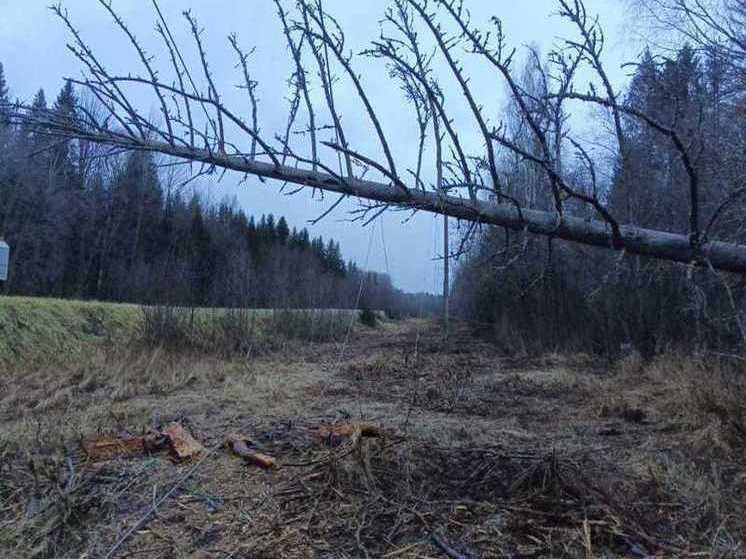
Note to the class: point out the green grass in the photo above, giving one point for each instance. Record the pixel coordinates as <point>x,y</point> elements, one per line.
<point>36,331</point>
<point>40,330</point>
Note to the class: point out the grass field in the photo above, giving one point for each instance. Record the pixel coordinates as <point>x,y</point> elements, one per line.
<point>36,331</point>
<point>482,454</point>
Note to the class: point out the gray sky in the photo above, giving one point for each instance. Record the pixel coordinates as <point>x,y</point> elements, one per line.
<point>32,49</point>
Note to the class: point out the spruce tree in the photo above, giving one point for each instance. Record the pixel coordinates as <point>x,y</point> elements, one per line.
<point>4,100</point>
<point>66,102</point>
<point>333,258</point>
<point>64,109</point>
<point>38,109</point>
<point>283,231</point>
<point>304,239</point>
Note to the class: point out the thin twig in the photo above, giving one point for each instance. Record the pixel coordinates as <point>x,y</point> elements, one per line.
<point>140,523</point>
<point>441,544</point>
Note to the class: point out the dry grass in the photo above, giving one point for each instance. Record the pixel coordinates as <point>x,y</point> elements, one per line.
<point>708,394</point>
<point>554,456</point>
<point>36,332</point>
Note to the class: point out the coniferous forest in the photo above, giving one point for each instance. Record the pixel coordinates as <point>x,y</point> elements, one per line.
<point>84,223</point>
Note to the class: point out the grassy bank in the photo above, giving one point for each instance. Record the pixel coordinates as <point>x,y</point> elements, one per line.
<point>38,330</point>
<point>42,331</point>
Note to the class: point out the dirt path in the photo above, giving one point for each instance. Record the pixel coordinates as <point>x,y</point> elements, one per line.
<point>487,455</point>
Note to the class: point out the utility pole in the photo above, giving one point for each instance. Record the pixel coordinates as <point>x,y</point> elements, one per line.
<point>4,260</point>
<point>441,190</point>
<point>446,282</point>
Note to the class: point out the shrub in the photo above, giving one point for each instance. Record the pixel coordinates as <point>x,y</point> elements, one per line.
<point>167,326</point>
<point>394,314</point>
<point>710,391</point>
<point>236,331</point>
<point>368,318</point>
<point>229,332</point>
<point>311,325</point>
<point>721,394</point>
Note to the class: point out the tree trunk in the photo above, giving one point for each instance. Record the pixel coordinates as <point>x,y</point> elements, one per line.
<point>724,256</point>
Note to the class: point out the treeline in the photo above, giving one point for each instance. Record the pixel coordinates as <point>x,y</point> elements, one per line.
<point>84,223</point>
<point>539,294</point>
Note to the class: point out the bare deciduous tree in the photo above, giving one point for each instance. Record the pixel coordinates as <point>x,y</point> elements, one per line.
<point>197,125</point>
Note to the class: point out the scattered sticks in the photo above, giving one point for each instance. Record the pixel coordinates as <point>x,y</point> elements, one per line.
<point>157,503</point>
<point>441,544</point>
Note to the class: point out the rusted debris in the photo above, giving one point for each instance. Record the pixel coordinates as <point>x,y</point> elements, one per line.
<point>334,435</point>
<point>241,447</point>
<point>183,445</point>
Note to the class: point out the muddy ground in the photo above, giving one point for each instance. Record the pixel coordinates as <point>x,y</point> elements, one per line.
<point>480,455</point>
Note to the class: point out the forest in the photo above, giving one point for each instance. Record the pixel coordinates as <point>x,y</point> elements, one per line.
<point>538,293</point>
<point>88,225</point>
<point>655,179</point>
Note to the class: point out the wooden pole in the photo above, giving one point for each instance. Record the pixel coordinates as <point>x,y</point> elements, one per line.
<point>446,278</point>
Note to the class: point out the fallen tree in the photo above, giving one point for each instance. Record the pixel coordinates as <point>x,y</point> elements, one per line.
<point>634,240</point>
<point>196,126</point>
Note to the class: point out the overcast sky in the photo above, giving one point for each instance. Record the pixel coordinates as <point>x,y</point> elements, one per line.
<point>32,49</point>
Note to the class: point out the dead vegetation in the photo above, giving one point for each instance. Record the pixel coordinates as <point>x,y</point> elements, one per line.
<point>479,455</point>
<point>240,332</point>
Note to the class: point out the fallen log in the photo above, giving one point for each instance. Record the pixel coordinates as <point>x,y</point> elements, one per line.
<point>104,446</point>
<point>241,447</point>
<point>724,256</point>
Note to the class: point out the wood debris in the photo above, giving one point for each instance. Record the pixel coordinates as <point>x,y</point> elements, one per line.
<point>334,435</point>
<point>105,447</point>
<point>241,447</point>
<point>183,445</point>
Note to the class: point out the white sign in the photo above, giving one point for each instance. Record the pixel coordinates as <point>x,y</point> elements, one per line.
<point>4,258</point>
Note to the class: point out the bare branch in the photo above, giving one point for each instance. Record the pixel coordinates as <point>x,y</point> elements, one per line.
<point>319,18</point>
<point>300,79</point>
<point>230,139</point>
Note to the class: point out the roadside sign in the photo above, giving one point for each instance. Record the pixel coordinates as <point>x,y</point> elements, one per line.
<point>4,258</point>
